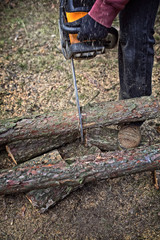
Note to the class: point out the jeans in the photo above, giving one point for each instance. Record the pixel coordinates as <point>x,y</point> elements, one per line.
<point>136,53</point>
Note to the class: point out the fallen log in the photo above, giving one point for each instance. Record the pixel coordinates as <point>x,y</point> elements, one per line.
<point>85,169</point>
<point>63,126</point>
<point>44,198</point>
<point>104,138</point>
<point>21,151</point>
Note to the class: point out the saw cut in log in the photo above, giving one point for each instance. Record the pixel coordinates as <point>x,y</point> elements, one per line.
<point>63,126</point>
<point>85,169</point>
<point>104,138</point>
<point>22,151</point>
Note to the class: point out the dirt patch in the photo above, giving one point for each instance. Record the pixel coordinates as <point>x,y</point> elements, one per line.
<point>35,78</point>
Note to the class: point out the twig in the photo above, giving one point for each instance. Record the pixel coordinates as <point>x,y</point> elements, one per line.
<point>25,29</point>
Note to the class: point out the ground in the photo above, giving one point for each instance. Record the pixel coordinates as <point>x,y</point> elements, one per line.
<point>35,78</point>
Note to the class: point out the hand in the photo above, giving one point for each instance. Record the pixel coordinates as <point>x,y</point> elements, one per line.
<point>91,30</point>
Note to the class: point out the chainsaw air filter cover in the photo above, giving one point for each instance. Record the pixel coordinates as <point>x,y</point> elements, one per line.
<point>70,11</point>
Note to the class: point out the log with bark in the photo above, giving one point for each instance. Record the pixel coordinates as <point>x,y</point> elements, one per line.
<point>29,137</point>
<point>85,169</point>
<point>104,138</point>
<point>21,151</point>
<point>63,124</point>
<point>44,198</point>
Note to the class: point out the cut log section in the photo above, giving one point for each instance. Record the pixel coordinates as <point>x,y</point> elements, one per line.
<point>106,139</point>
<point>21,151</point>
<point>85,169</point>
<point>63,126</point>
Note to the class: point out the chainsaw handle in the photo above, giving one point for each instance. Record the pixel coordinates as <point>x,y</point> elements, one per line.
<point>68,29</point>
<point>63,26</point>
<point>73,30</point>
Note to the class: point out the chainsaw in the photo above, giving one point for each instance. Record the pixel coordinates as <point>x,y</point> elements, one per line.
<point>70,12</point>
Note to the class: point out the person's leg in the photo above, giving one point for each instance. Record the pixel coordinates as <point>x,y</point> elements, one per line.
<point>136,48</point>
<point>136,56</point>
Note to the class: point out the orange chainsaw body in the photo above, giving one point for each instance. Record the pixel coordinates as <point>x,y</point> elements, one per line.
<point>71,17</point>
<point>71,11</point>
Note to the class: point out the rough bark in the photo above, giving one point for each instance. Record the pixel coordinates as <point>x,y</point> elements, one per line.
<point>44,198</point>
<point>104,138</point>
<point>83,170</point>
<point>63,126</point>
<point>21,151</point>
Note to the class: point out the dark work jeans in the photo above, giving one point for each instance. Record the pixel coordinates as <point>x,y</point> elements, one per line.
<point>136,52</point>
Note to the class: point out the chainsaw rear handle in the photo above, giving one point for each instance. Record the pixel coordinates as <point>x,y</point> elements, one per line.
<point>63,26</point>
<point>73,30</point>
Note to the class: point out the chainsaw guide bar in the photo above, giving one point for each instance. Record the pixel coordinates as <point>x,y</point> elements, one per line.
<point>71,11</point>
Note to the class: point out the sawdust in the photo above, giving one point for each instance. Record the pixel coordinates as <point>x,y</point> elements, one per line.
<point>35,77</point>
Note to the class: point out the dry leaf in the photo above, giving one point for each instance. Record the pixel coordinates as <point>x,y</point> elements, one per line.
<point>53,6</point>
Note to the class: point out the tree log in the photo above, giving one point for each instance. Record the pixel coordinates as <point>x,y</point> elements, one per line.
<point>85,169</point>
<point>47,197</point>
<point>21,151</point>
<point>44,198</point>
<point>104,138</point>
<point>63,126</point>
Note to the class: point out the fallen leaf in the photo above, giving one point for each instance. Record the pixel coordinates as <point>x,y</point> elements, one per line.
<point>53,6</point>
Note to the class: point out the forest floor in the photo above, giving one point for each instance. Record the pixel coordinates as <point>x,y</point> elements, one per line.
<point>35,78</point>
